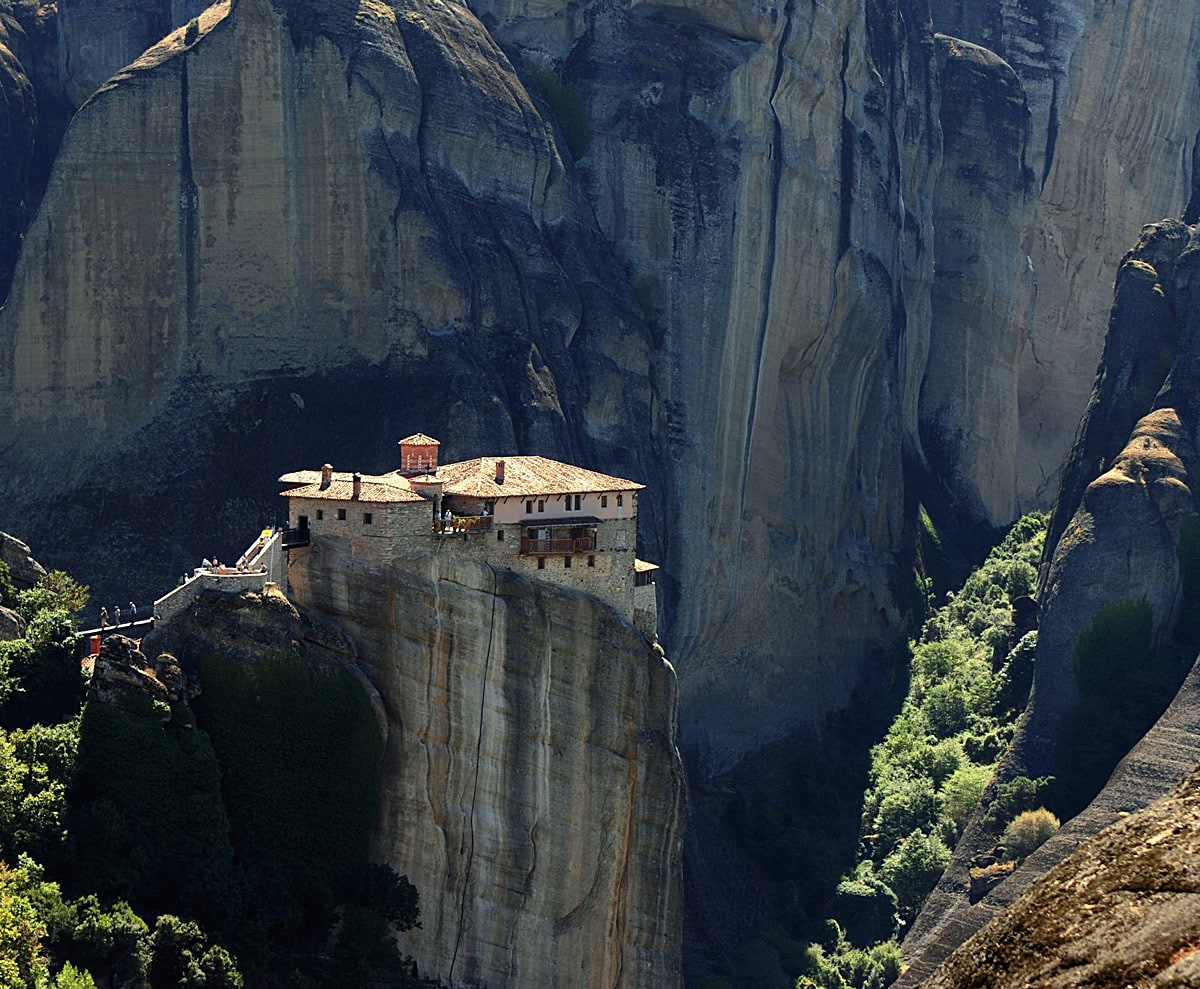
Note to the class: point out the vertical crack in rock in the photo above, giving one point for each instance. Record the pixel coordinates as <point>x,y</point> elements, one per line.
<point>1051,132</point>
<point>846,158</point>
<point>487,664</point>
<point>188,196</point>
<point>768,269</point>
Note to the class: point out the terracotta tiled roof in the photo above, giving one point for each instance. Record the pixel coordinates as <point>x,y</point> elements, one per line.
<point>641,566</point>
<point>374,491</point>
<point>419,439</point>
<point>526,477</point>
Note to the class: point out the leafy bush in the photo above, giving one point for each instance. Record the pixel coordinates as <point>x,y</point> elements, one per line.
<point>566,103</point>
<point>913,869</point>
<point>960,795</point>
<point>842,965</point>
<point>35,768</point>
<point>1187,629</point>
<point>1125,683</point>
<point>149,793</point>
<point>300,753</point>
<point>54,591</point>
<point>1116,643</point>
<point>8,591</point>
<point>1012,798</point>
<point>1028,830</point>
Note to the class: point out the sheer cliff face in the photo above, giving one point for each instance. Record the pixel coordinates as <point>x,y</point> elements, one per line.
<point>356,199</point>
<point>767,173</point>
<point>532,789</point>
<point>1113,129</point>
<point>982,209</point>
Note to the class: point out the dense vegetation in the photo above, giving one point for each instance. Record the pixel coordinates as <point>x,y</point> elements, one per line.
<point>970,676</point>
<point>242,832</point>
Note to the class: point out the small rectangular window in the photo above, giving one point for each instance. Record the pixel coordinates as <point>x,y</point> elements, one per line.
<point>577,502</point>
<point>541,563</point>
<point>320,514</point>
<point>591,561</point>
<point>529,507</point>
<point>604,501</point>
<point>341,515</point>
<point>499,535</point>
<point>367,518</point>
<point>541,505</point>
<point>566,563</point>
<point>620,500</point>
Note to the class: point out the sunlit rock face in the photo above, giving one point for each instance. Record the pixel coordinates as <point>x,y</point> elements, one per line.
<point>532,790</point>
<point>340,223</point>
<point>767,173</point>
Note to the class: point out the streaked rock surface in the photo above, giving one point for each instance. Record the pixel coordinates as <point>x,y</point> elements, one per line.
<point>532,789</point>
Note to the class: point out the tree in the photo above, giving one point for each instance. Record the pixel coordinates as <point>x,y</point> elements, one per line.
<point>914,869</point>
<point>180,955</point>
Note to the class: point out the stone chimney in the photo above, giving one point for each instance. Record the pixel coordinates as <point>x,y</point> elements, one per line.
<point>326,475</point>
<point>357,481</point>
<point>499,471</point>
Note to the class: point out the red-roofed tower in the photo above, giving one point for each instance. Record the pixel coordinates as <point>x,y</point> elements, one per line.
<point>418,454</point>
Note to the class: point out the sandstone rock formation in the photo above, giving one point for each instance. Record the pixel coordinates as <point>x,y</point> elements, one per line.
<point>1115,539</point>
<point>983,206</point>
<point>1113,133</point>
<point>354,224</point>
<point>532,789</point>
<point>767,175</point>
<point>24,569</point>
<point>18,121</point>
<point>122,668</point>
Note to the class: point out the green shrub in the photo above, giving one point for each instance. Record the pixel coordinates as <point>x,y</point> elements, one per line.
<point>1116,643</point>
<point>300,752</point>
<point>842,965</point>
<point>865,907</point>
<point>1012,798</point>
<point>1028,830</point>
<point>149,793</point>
<point>1187,629</point>
<point>960,795</point>
<point>913,869</point>
<point>566,103</point>
<point>8,591</point>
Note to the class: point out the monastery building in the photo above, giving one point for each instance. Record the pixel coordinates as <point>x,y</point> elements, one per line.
<point>549,520</point>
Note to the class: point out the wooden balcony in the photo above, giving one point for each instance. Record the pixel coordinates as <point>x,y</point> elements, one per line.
<point>549,547</point>
<point>463,523</point>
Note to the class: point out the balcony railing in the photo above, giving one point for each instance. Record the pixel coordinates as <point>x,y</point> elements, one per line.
<point>295,538</point>
<point>545,547</point>
<point>463,523</point>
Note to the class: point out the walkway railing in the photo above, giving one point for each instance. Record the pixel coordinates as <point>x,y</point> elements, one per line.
<point>259,565</point>
<point>540,547</point>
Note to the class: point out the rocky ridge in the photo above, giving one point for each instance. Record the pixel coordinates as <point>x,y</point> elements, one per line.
<point>1119,910</point>
<point>1112,137</point>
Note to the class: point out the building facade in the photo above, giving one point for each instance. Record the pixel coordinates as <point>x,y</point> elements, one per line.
<point>544,518</point>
